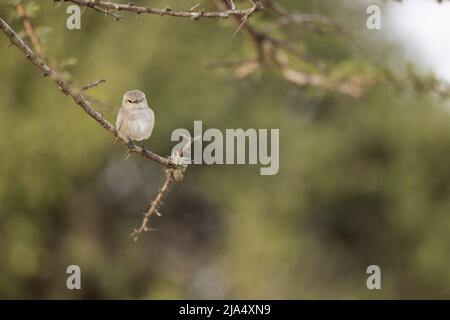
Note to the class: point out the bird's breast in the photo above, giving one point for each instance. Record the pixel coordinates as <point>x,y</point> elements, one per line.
<point>140,124</point>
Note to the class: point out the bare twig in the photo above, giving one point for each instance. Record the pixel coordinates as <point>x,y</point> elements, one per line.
<point>195,15</point>
<point>231,4</point>
<point>172,175</point>
<point>155,204</point>
<point>107,12</point>
<point>244,19</point>
<point>92,84</point>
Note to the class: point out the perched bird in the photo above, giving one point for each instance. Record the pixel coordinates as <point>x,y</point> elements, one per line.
<point>135,119</point>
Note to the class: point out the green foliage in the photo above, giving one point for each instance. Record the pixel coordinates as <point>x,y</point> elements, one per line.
<point>361,181</point>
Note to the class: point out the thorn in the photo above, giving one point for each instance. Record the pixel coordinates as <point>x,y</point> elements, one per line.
<point>243,21</point>
<point>194,7</point>
<point>196,15</point>
<point>231,3</point>
<point>130,144</point>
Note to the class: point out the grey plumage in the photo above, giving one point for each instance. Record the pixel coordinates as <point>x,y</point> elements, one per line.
<point>135,119</point>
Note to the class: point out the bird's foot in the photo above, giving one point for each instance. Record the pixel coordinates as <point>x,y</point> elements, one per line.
<point>130,146</point>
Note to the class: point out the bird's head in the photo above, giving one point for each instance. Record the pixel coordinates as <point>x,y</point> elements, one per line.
<point>134,98</point>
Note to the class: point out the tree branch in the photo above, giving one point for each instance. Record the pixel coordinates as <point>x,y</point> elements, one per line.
<point>92,84</point>
<point>195,15</point>
<point>172,175</point>
<point>29,31</point>
<point>77,96</point>
<point>155,205</point>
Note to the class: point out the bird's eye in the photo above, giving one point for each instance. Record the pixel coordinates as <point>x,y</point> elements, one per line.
<point>129,101</point>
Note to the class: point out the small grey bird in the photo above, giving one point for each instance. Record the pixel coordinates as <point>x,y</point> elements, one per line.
<point>135,119</point>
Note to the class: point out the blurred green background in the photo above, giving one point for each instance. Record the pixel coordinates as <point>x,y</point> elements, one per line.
<point>361,181</point>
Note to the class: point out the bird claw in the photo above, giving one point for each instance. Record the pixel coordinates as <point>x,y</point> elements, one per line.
<point>130,144</point>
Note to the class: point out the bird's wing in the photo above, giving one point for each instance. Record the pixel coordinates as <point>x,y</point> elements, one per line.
<point>152,120</point>
<point>121,125</point>
<point>119,119</point>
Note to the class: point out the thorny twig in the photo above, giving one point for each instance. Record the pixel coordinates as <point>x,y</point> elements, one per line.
<point>172,175</point>
<point>107,12</point>
<point>109,6</point>
<point>92,84</point>
<point>255,6</point>
<point>156,203</point>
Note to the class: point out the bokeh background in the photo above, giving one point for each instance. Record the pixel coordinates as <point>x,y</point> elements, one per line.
<point>361,181</point>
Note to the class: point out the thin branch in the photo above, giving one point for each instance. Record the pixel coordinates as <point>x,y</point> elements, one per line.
<point>155,204</point>
<point>107,12</point>
<point>172,175</point>
<point>195,15</point>
<point>77,96</point>
<point>245,18</point>
<point>92,84</point>
<point>29,31</point>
